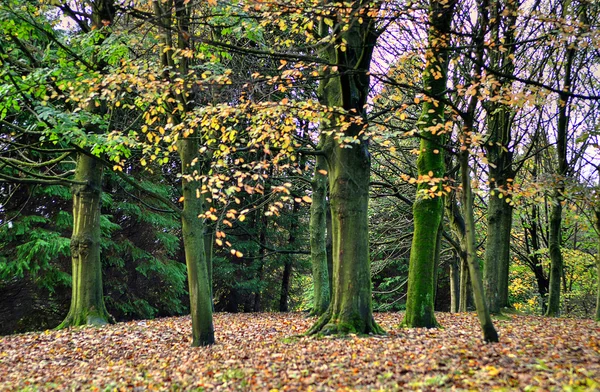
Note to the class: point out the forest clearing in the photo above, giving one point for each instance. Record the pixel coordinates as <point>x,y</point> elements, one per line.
<point>266,351</point>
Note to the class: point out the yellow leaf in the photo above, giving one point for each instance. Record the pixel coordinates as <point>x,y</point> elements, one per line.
<point>181,199</point>
<point>219,242</point>
<point>417,100</point>
<point>242,218</point>
<point>307,199</point>
<point>238,253</point>
<point>323,172</point>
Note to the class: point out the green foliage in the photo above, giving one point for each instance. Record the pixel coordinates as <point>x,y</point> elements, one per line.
<point>140,249</point>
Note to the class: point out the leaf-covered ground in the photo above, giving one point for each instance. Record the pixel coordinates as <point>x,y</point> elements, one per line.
<point>265,352</point>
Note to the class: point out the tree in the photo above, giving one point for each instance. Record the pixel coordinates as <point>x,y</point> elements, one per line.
<point>349,172</point>
<point>429,204</point>
<point>500,153</point>
<point>318,238</point>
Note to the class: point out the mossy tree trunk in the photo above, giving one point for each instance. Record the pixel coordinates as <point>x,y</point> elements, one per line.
<point>194,246</point>
<point>428,207</point>
<point>318,238</point>
<point>87,300</point>
<point>500,158</point>
<point>555,234</point>
<point>350,310</point>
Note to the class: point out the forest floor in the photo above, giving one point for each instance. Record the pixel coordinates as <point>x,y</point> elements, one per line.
<point>266,352</point>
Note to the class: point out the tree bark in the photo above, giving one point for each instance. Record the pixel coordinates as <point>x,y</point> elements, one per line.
<point>555,237</point>
<point>318,237</point>
<point>351,309</point>
<point>500,159</point>
<point>349,166</point>
<point>87,301</point>
<point>287,266</point>
<point>428,207</point>
<point>194,246</point>
<point>487,326</point>
<point>454,284</point>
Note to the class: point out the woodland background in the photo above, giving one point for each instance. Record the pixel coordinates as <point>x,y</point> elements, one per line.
<point>123,84</point>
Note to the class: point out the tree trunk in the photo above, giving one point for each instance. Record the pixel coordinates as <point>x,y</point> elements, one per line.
<point>454,284</point>
<point>318,236</point>
<point>285,285</point>
<point>500,158</point>
<point>193,242</point>
<point>428,207</point>
<point>597,213</point>
<point>350,310</point>
<point>457,223</point>
<point>556,260</point>
<point>555,237</point>
<point>287,267</point>
<point>497,253</point>
<point>438,252</point>
<point>489,332</point>
<point>87,301</point>
<point>463,305</point>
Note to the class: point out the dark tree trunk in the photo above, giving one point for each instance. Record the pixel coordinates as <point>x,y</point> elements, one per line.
<point>555,238</point>
<point>454,284</point>
<point>318,238</point>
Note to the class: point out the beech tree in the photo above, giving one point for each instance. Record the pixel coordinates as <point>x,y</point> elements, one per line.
<point>348,171</point>
<point>429,204</point>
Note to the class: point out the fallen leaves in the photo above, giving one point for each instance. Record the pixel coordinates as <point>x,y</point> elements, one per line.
<point>265,352</point>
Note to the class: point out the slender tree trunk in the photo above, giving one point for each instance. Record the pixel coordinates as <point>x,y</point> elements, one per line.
<point>597,213</point>
<point>428,207</point>
<point>318,237</point>
<point>489,332</point>
<point>329,246</point>
<point>454,284</point>
<point>457,223</point>
<point>438,252</point>
<point>262,237</point>
<point>463,304</point>
<point>287,267</point>
<point>193,242</point>
<point>87,301</point>
<point>555,237</point>
<point>209,238</point>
